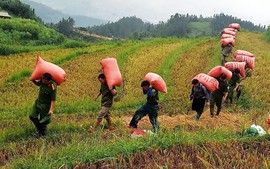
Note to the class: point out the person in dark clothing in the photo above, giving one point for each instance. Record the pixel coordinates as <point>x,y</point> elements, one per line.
<point>248,73</point>
<point>218,95</point>
<point>150,107</point>
<point>106,103</point>
<point>199,96</point>
<point>226,51</point>
<point>44,105</point>
<point>233,85</point>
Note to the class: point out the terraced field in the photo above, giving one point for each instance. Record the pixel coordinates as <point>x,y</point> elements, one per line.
<point>181,143</point>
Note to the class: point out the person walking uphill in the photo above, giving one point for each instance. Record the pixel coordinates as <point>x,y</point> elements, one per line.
<point>226,50</point>
<point>218,95</point>
<point>44,105</point>
<point>199,96</point>
<point>150,107</point>
<point>233,85</point>
<point>106,103</point>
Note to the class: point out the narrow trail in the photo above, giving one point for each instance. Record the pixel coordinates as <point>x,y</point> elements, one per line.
<point>223,121</point>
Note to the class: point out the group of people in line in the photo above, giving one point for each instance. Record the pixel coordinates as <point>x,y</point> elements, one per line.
<point>227,90</point>
<point>44,105</point>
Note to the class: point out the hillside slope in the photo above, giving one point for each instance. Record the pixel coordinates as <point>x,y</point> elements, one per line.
<point>177,61</point>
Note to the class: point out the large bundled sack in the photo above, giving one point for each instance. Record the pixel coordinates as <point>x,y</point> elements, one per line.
<point>218,70</point>
<point>111,71</point>
<point>243,52</point>
<point>233,65</point>
<point>58,74</point>
<point>235,26</point>
<point>229,32</point>
<point>224,36</point>
<point>231,29</point>
<point>209,82</point>
<point>227,41</point>
<point>250,61</point>
<point>156,81</point>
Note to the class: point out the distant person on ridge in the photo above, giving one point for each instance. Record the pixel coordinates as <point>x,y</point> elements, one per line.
<point>218,95</point>
<point>106,103</point>
<point>150,107</point>
<point>43,107</point>
<point>199,96</point>
<point>225,52</point>
<point>233,85</point>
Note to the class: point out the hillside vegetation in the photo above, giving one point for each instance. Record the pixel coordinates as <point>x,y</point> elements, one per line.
<point>19,35</point>
<point>181,143</point>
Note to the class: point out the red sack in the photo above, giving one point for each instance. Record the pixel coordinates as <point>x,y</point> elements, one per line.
<point>242,52</point>
<point>224,35</point>
<point>231,29</point>
<point>229,32</point>
<point>250,61</point>
<point>268,120</point>
<point>156,81</point>
<point>209,82</point>
<point>58,74</point>
<point>216,72</point>
<point>111,71</point>
<point>138,133</point>
<point>235,26</point>
<point>226,41</point>
<point>233,65</point>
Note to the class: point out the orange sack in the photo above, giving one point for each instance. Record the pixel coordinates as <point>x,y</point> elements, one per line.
<point>250,61</point>
<point>229,32</point>
<point>224,35</point>
<point>216,72</point>
<point>231,29</point>
<point>156,81</point>
<point>235,26</point>
<point>233,65</point>
<point>209,82</point>
<point>226,41</point>
<point>58,74</point>
<point>111,71</point>
<point>243,52</point>
<point>268,119</point>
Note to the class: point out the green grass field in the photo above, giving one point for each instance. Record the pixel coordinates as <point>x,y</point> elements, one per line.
<point>181,142</point>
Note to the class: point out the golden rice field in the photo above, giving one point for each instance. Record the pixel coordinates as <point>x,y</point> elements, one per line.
<point>181,143</point>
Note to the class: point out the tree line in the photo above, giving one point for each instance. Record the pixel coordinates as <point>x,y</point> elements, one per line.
<point>179,25</point>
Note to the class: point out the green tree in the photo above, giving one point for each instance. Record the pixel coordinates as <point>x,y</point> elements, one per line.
<point>65,26</point>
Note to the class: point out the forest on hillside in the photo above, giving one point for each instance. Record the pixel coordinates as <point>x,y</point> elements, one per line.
<point>179,25</point>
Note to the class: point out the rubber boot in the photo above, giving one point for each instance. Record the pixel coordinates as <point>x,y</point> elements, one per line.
<point>42,130</point>
<point>36,122</point>
<point>110,127</point>
<point>91,130</point>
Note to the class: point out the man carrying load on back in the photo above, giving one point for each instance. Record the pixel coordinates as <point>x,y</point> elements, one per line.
<point>226,51</point>
<point>43,107</point>
<point>150,107</point>
<point>199,96</point>
<point>248,73</point>
<point>218,95</point>
<point>233,85</point>
<point>106,103</point>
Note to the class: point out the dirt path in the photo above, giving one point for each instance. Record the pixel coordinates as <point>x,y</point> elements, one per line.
<point>224,120</point>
